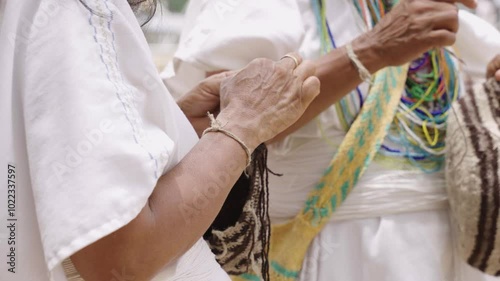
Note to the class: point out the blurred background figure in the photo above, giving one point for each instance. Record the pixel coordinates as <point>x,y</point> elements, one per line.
<point>164,30</point>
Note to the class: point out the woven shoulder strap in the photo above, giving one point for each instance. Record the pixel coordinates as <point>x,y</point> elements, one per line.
<point>290,241</point>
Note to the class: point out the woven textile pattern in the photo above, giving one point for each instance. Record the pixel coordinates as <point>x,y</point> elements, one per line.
<point>290,241</point>
<point>472,174</point>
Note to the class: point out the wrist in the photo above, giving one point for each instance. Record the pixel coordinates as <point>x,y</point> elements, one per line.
<point>369,52</point>
<point>238,124</point>
<point>229,145</point>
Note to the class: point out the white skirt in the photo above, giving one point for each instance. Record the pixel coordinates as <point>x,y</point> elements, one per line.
<point>394,225</point>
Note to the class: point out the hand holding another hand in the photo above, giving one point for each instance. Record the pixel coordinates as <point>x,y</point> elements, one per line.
<point>266,97</point>
<point>202,99</point>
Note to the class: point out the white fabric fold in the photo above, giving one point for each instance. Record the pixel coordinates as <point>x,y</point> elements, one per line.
<point>477,43</point>
<point>232,33</point>
<point>89,125</point>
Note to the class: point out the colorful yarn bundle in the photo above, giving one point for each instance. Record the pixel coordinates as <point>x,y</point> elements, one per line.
<point>348,107</point>
<point>372,11</point>
<point>418,131</point>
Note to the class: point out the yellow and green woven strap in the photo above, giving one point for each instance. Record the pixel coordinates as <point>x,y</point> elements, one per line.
<point>290,241</point>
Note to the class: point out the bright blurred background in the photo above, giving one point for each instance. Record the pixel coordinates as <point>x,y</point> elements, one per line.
<point>164,30</point>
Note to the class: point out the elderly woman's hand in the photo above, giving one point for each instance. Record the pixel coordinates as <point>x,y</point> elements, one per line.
<point>412,28</point>
<point>202,99</point>
<point>267,97</point>
<point>493,68</point>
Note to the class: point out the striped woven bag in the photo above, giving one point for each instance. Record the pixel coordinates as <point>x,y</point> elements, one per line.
<point>472,174</point>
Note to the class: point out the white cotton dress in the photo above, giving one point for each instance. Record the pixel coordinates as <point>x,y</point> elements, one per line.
<point>89,127</point>
<point>395,225</point>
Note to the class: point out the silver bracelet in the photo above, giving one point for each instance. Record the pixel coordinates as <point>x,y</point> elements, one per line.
<point>216,126</point>
<point>364,74</point>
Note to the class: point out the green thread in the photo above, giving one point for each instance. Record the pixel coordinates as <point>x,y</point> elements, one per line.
<point>360,132</point>
<point>371,128</point>
<point>361,141</point>
<point>320,185</point>
<point>316,216</point>
<point>283,271</point>
<point>345,189</point>
<point>350,154</point>
<point>333,202</point>
<point>356,176</point>
<point>328,170</point>
<point>323,212</point>
<point>310,203</point>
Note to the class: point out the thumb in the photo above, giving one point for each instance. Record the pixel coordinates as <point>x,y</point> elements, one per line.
<point>213,82</point>
<point>310,90</point>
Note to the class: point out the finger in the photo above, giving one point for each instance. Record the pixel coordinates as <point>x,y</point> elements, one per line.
<point>493,66</point>
<point>306,69</point>
<point>223,75</point>
<point>497,75</point>
<point>212,83</point>
<point>490,71</point>
<point>441,38</point>
<point>471,4</point>
<point>212,73</point>
<point>446,18</point>
<point>310,90</point>
<point>290,63</point>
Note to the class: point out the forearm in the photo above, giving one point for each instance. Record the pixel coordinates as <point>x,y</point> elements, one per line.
<point>181,208</point>
<point>338,76</point>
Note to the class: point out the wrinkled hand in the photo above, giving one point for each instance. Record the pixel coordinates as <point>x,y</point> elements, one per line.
<point>493,68</point>
<point>414,27</point>
<point>266,97</point>
<point>203,98</point>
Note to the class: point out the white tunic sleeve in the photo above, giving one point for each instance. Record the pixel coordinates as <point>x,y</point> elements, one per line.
<point>100,126</point>
<point>227,35</point>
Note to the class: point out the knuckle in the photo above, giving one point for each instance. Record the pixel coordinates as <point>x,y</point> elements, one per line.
<point>419,7</point>
<point>309,66</point>
<point>205,83</point>
<point>280,71</point>
<point>261,62</point>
